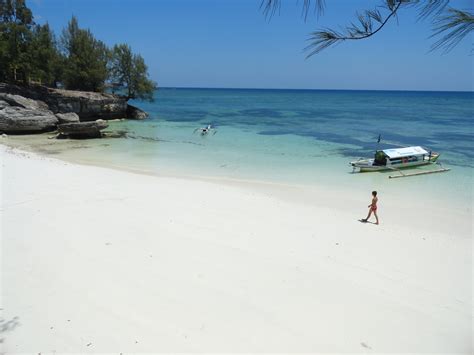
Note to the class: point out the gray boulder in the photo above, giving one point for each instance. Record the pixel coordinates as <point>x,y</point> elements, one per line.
<point>83,129</point>
<point>15,119</point>
<point>69,117</point>
<point>20,101</point>
<point>135,113</point>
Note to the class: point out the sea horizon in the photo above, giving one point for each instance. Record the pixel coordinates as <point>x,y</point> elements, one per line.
<point>303,89</point>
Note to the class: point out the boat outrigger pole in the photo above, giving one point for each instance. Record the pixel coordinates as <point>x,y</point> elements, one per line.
<point>441,170</point>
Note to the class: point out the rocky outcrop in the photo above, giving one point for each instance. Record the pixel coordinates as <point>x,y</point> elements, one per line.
<point>20,115</point>
<point>18,120</point>
<point>89,106</point>
<point>33,109</point>
<point>83,129</point>
<point>20,101</point>
<point>69,117</point>
<point>135,113</point>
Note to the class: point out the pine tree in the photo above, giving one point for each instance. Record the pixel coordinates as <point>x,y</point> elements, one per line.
<point>30,53</point>
<point>129,72</point>
<point>16,21</point>
<point>86,59</point>
<point>45,59</point>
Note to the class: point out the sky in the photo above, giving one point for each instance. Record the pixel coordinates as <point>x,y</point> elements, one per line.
<point>231,44</point>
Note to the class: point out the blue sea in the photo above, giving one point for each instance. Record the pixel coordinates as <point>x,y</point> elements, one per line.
<point>289,136</point>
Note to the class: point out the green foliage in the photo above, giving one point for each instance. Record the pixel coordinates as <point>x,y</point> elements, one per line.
<point>121,65</point>
<point>30,53</point>
<point>45,59</point>
<point>86,59</point>
<point>16,21</point>
<point>129,72</point>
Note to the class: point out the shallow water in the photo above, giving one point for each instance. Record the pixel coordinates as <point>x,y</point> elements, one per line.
<point>289,136</point>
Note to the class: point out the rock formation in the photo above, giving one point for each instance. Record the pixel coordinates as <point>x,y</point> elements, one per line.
<point>20,101</point>
<point>38,108</point>
<point>19,120</point>
<point>83,129</point>
<point>89,106</point>
<point>69,117</point>
<point>22,115</point>
<point>136,113</point>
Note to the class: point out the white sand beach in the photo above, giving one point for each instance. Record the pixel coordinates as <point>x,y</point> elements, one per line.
<point>96,260</point>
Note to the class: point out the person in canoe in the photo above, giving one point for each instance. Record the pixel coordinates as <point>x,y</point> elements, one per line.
<point>206,130</point>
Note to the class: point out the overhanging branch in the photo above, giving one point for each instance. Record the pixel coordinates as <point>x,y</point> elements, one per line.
<point>364,29</point>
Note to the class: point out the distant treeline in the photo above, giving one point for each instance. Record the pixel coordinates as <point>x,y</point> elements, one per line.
<point>31,53</point>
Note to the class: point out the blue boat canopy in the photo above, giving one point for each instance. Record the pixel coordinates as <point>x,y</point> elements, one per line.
<point>404,152</point>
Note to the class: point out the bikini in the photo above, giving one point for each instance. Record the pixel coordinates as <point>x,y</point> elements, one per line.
<point>373,208</point>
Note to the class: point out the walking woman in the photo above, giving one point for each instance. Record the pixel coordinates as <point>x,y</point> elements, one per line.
<point>373,208</point>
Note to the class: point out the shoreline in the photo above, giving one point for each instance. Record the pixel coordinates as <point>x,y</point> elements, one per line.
<point>309,193</point>
<point>130,263</point>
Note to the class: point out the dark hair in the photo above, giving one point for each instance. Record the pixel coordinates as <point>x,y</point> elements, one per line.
<point>374,193</point>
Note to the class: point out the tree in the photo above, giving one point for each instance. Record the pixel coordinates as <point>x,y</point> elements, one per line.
<point>30,52</point>
<point>86,59</point>
<point>453,25</point>
<point>45,59</point>
<point>16,21</point>
<point>129,72</point>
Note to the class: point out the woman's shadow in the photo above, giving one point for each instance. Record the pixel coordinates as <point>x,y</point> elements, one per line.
<point>365,221</point>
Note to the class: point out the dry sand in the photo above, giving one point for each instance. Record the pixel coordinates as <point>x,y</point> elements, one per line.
<point>98,260</point>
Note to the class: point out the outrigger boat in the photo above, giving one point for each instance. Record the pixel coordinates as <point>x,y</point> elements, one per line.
<point>397,158</point>
<point>206,130</point>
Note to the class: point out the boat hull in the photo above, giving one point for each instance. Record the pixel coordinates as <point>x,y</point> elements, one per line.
<point>393,167</point>
<point>368,165</point>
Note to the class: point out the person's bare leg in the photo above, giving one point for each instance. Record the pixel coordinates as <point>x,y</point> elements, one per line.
<point>376,217</point>
<point>368,216</point>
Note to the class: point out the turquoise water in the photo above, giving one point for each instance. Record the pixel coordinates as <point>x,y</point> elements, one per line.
<point>291,136</point>
<point>343,123</point>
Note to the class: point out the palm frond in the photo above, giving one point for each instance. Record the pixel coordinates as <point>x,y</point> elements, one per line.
<point>270,7</point>
<point>431,7</point>
<point>454,26</point>
<point>375,15</point>
<point>321,40</point>
<point>368,23</point>
<point>391,4</point>
<point>318,7</point>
